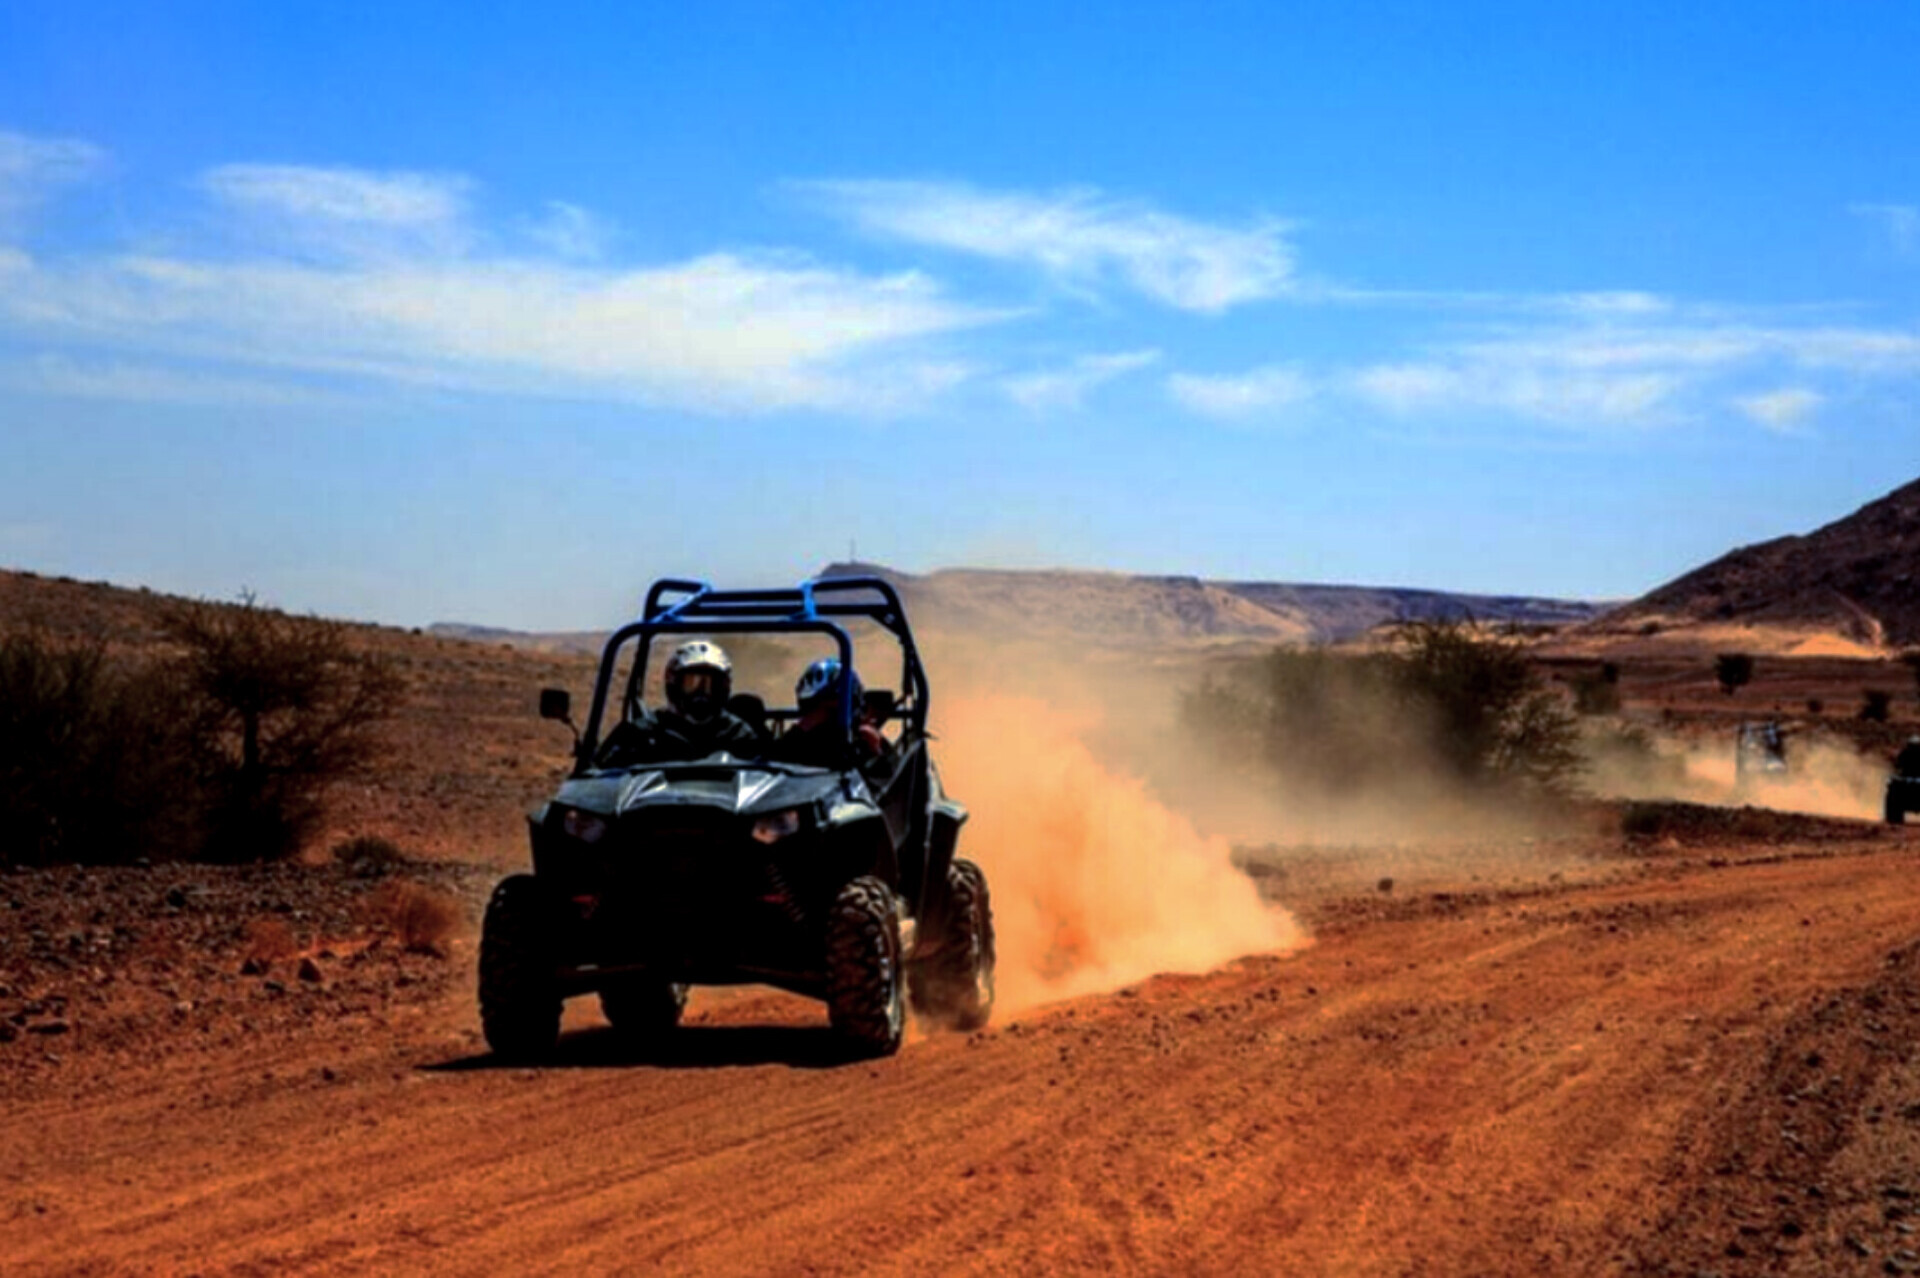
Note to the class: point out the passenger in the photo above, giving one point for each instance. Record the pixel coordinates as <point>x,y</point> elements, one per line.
<point>815,739</point>
<point>695,721</point>
<point>1907,763</point>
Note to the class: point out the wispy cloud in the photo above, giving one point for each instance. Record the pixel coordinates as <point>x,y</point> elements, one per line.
<point>342,195</point>
<point>722,332</point>
<point>32,167</point>
<point>1081,238</point>
<point>327,212</point>
<point>144,382</point>
<point>1263,392</point>
<point>1900,223</point>
<point>571,232</point>
<point>1633,372</point>
<point>344,272</point>
<point>1066,389</point>
<point>1781,411</point>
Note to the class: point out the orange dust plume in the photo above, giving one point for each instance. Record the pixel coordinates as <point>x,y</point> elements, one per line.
<point>1095,883</point>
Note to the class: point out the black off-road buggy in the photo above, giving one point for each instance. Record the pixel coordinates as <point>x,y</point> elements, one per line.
<point>838,884</point>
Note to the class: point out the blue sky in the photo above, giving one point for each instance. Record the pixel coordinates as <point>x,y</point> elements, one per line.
<point>417,312</point>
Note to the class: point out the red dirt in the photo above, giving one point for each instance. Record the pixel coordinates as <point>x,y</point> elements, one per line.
<point>1700,1059</point>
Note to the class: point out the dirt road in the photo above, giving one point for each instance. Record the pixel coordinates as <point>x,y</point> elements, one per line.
<point>1701,1062</point>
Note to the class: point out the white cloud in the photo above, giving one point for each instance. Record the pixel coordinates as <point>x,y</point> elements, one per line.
<point>571,232</point>
<point>1260,392</point>
<point>719,333</point>
<point>1066,389</point>
<point>1783,410</point>
<point>341,195</point>
<point>32,167</point>
<point>1635,367</point>
<point>1540,392</point>
<point>1899,222</point>
<point>140,382</point>
<point>1079,237</point>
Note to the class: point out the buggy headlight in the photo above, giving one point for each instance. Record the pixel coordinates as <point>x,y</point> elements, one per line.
<point>584,826</point>
<point>776,826</point>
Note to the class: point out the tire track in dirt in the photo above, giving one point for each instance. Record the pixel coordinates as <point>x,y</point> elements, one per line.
<point>1450,1085</point>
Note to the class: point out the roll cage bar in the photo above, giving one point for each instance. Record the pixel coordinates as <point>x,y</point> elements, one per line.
<point>677,606</point>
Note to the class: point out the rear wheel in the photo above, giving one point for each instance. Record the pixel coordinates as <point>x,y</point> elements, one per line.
<point>643,1009</point>
<point>519,1001</point>
<point>866,1001</point>
<point>953,986</point>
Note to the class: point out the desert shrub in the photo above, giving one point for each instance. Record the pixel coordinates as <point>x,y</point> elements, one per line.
<point>1733,670</point>
<point>422,919</point>
<point>1597,691</point>
<point>1443,698</point>
<point>368,856</point>
<point>96,760</point>
<point>283,707</point>
<point>1308,713</point>
<point>1815,705</point>
<point>1874,705</point>
<point>221,751</point>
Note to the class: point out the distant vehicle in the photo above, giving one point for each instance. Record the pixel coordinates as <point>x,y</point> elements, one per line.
<point>1760,751</point>
<point>1903,787</point>
<point>839,883</point>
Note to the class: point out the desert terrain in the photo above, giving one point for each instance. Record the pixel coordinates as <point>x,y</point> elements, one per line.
<point>1643,1035</point>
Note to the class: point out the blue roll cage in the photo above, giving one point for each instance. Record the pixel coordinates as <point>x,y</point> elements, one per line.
<point>677,606</point>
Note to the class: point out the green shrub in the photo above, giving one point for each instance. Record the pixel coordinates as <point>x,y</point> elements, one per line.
<point>1733,670</point>
<point>1442,699</point>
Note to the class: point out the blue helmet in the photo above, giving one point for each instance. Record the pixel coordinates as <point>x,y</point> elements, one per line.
<point>820,681</point>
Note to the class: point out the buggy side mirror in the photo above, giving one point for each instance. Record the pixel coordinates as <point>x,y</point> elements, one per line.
<point>556,704</point>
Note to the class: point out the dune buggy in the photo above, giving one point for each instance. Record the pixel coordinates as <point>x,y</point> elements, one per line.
<point>836,883</point>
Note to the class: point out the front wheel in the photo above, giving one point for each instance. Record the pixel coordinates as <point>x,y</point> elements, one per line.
<point>1896,810</point>
<point>866,1001</point>
<point>519,1001</point>
<point>953,986</point>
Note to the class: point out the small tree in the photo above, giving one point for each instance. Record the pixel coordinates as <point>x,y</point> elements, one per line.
<point>1493,720</point>
<point>1874,704</point>
<point>1734,670</point>
<point>285,707</point>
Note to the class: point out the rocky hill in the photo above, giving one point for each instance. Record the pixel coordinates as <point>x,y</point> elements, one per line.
<point>1123,610</point>
<point>1858,578</point>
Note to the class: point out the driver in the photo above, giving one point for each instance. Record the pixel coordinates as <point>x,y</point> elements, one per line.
<point>694,723</point>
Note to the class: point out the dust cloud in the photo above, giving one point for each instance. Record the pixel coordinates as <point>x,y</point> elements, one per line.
<point>1096,883</point>
<point>1824,777</point>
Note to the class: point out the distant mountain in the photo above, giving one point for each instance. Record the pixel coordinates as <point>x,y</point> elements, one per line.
<point>1123,610</point>
<point>1858,577</point>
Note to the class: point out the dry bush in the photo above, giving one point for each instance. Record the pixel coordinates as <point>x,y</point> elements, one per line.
<point>96,759</point>
<point>369,856</point>
<point>281,707</point>
<point>422,918</point>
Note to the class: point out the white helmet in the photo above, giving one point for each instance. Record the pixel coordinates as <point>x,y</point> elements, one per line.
<point>699,680</point>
